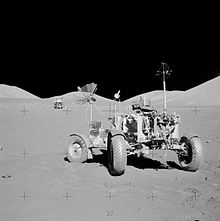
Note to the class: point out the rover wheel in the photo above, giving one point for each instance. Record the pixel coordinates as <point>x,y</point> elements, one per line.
<point>193,157</point>
<point>77,149</point>
<point>117,155</point>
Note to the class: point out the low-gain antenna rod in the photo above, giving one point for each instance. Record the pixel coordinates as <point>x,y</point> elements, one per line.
<point>164,71</point>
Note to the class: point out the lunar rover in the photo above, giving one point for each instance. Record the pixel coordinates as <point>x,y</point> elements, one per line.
<point>136,133</point>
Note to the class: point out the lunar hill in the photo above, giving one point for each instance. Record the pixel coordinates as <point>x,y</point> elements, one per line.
<point>205,94</point>
<point>12,92</point>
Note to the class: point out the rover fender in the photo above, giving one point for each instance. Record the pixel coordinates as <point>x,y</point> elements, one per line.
<point>113,133</point>
<point>190,135</point>
<point>85,138</point>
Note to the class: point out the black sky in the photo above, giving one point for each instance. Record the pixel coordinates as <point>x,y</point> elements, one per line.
<point>50,54</point>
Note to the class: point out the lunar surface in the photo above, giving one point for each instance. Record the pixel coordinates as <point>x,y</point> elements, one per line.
<point>37,183</point>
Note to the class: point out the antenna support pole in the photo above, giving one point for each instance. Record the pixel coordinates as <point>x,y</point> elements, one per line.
<point>164,89</point>
<point>91,112</point>
<point>165,72</point>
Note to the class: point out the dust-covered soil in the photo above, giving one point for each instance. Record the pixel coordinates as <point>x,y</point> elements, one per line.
<point>37,183</point>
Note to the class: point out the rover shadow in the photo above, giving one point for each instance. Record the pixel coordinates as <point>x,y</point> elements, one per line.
<point>137,162</point>
<point>174,165</point>
<point>100,158</point>
<point>132,160</point>
<point>66,159</point>
<point>146,163</point>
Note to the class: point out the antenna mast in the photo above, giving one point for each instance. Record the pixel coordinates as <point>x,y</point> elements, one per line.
<point>164,71</point>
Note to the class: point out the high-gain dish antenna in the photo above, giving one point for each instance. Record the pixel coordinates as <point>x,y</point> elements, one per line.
<point>164,72</point>
<point>87,97</point>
